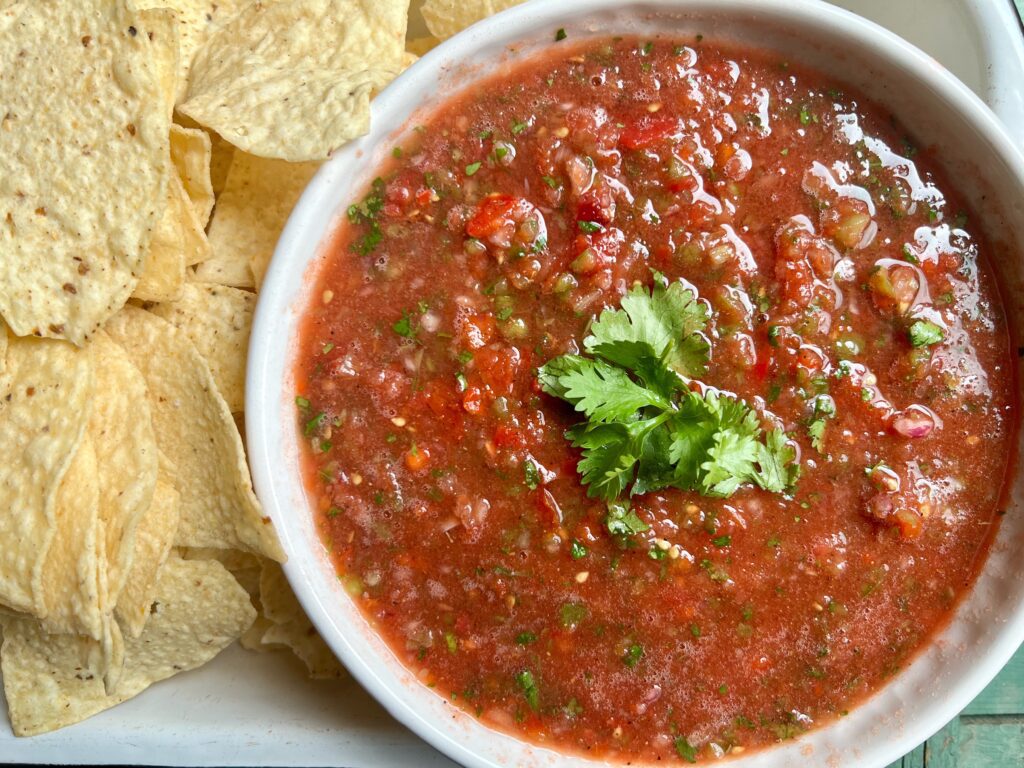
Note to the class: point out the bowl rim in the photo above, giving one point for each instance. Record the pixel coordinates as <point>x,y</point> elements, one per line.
<point>263,388</point>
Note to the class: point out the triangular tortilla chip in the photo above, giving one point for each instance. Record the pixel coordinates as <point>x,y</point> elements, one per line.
<point>195,430</point>
<point>292,80</point>
<point>50,680</point>
<point>83,186</point>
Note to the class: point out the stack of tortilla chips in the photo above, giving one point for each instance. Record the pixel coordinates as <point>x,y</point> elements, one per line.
<point>151,152</point>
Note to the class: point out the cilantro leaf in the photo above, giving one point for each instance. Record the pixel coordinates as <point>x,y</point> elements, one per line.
<point>640,358</point>
<point>609,458</point>
<point>654,469</point>
<point>816,429</point>
<point>776,459</point>
<point>621,520</point>
<point>528,685</point>
<point>601,391</point>
<point>405,327</point>
<point>924,333</point>
<point>668,319</point>
<point>531,476</point>
<point>685,750</point>
<point>730,461</point>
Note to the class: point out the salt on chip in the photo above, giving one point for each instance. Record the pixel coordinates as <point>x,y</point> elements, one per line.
<point>252,210</point>
<point>121,429</point>
<point>50,680</point>
<point>195,430</point>
<point>42,422</point>
<point>217,319</point>
<point>84,142</point>
<point>293,79</point>
<point>448,17</point>
<point>191,151</point>
<point>196,19</point>
<point>178,242</point>
<point>152,546</point>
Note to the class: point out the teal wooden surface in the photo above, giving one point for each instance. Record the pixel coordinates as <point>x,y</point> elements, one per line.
<point>989,733</point>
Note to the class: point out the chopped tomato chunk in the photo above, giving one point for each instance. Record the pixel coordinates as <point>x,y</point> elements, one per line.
<point>647,131</point>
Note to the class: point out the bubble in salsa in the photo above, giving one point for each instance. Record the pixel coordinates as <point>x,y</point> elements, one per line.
<point>658,399</point>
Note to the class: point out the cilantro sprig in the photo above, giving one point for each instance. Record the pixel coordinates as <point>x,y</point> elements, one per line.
<point>646,428</point>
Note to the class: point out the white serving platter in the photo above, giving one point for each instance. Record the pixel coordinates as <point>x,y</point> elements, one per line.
<point>247,709</point>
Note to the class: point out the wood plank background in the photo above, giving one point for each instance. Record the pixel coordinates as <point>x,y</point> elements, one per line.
<point>989,733</point>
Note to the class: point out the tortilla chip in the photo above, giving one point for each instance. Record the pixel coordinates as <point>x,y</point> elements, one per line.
<point>293,79</point>
<point>5,377</point>
<point>448,17</point>
<point>220,162</point>
<point>221,153</point>
<point>251,212</point>
<point>122,432</point>
<point>165,57</point>
<point>112,657</point>
<point>71,573</point>
<point>179,241</point>
<point>42,421</point>
<point>421,45</point>
<point>82,187</point>
<point>196,19</point>
<point>252,640</point>
<point>195,430</point>
<point>153,540</point>
<point>279,602</point>
<point>290,627</point>
<point>301,637</point>
<point>217,319</point>
<point>191,151</point>
<point>50,680</point>
<point>245,567</point>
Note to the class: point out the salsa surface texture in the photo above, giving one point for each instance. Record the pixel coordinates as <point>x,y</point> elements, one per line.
<point>849,304</point>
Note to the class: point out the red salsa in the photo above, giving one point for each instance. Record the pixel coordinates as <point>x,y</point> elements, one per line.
<point>657,399</point>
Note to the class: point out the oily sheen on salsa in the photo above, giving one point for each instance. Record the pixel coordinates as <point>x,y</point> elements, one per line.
<point>629,578</point>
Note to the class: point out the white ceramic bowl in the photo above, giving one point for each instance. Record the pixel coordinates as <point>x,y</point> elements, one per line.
<point>937,109</point>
